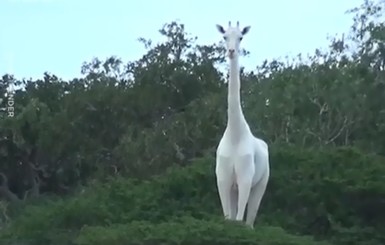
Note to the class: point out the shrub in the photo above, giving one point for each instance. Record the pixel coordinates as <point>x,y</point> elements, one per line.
<point>188,231</point>
<point>330,194</point>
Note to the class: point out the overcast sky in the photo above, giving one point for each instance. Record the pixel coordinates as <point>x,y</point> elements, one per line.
<point>59,35</point>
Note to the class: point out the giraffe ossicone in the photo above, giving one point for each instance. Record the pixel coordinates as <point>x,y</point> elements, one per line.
<point>242,160</point>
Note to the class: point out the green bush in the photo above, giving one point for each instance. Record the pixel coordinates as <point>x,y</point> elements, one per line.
<point>188,231</point>
<point>333,188</point>
<point>330,194</point>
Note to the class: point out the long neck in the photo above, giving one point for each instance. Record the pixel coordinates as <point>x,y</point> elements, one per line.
<point>235,118</point>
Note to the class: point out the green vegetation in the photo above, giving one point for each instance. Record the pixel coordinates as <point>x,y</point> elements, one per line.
<point>125,155</point>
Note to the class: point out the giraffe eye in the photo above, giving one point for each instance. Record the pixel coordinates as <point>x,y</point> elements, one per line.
<point>240,39</point>
<point>225,37</point>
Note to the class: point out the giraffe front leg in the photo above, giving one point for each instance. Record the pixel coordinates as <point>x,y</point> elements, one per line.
<point>224,176</point>
<point>244,170</point>
<point>256,194</point>
<point>224,189</point>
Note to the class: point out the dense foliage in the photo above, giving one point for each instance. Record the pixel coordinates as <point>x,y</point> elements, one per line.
<point>125,154</point>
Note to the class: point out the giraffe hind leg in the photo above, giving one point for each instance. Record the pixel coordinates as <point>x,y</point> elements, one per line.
<point>233,202</point>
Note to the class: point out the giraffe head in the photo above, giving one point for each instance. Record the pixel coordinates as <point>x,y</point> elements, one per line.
<point>233,37</point>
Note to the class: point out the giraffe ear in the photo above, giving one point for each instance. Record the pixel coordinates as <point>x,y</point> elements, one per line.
<point>246,30</point>
<point>220,29</point>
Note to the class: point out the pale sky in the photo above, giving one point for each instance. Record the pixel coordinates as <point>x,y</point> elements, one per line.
<point>59,35</point>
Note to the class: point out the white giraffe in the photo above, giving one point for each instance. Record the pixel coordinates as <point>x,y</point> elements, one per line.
<point>242,160</point>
